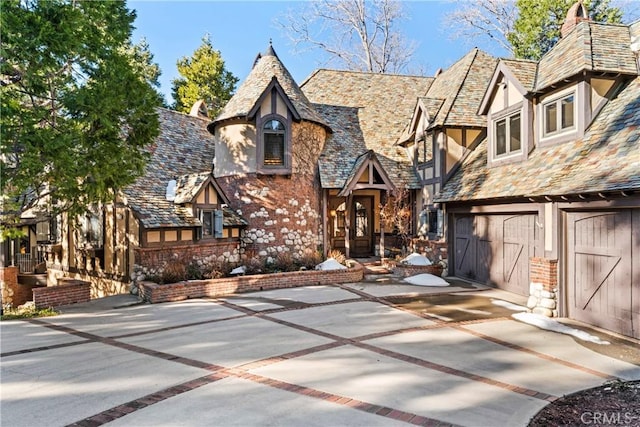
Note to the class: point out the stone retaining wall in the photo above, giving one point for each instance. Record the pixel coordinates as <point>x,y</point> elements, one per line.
<point>68,291</point>
<point>155,293</point>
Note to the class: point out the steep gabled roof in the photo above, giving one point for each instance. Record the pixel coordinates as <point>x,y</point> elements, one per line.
<point>606,159</point>
<point>366,111</point>
<point>462,86</point>
<point>267,71</point>
<point>188,186</point>
<point>183,152</point>
<point>362,164</point>
<point>523,70</point>
<point>590,46</point>
<point>184,146</point>
<point>521,73</point>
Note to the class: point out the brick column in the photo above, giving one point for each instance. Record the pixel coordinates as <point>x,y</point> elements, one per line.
<point>543,286</point>
<point>9,284</point>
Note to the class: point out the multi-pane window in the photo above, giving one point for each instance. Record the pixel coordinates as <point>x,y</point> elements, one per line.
<point>273,137</point>
<point>559,115</point>
<point>212,223</point>
<point>508,138</point>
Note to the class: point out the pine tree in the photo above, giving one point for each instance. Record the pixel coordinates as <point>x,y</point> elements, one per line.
<point>537,28</point>
<point>77,109</point>
<point>204,77</point>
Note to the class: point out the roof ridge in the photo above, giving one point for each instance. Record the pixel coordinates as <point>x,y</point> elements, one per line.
<point>169,110</point>
<point>317,70</point>
<point>464,79</point>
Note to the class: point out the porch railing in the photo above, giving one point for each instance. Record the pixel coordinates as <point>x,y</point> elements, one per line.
<point>27,262</point>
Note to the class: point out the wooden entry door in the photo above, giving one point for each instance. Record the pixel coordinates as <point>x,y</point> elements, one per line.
<point>361,232</point>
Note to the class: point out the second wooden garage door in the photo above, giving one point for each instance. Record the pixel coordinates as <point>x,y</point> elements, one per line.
<point>495,249</point>
<point>603,257</point>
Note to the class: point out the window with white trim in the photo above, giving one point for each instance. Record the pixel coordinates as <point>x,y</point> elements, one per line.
<point>507,135</point>
<point>559,115</point>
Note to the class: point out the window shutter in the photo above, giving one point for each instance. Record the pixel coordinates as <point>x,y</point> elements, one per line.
<point>218,224</point>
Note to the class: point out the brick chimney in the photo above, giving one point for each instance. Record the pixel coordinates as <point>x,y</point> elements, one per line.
<point>576,14</point>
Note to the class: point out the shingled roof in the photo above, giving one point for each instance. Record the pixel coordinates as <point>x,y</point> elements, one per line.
<point>183,151</point>
<point>606,159</point>
<point>266,68</point>
<point>524,71</point>
<point>590,46</point>
<point>366,111</point>
<point>461,88</point>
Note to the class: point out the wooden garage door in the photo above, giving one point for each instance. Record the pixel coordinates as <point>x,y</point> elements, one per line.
<point>603,282</point>
<point>495,249</point>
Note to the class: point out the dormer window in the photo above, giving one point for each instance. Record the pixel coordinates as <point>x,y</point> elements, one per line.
<point>273,135</point>
<point>508,135</point>
<point>559,115</point>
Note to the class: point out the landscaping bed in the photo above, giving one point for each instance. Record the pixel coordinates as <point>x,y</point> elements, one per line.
<point>155,293</point>
<point>616,403</point>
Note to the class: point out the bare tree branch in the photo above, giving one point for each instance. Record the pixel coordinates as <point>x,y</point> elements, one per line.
<point>488,20</point>
<point>357,34</point>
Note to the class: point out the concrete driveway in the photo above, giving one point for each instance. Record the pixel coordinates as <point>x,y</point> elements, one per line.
<point>313,356</point>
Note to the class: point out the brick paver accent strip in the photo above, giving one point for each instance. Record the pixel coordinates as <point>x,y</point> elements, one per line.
<point>242,371</point>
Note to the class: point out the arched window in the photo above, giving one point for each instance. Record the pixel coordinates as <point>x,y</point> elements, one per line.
<point>273,137</point>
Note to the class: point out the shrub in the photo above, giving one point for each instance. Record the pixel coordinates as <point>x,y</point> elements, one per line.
<point>254,265</point>
<point>284,262</point>
<point>194,272</point>
<point>310,259</point>
<point>174,271</point>
<point>338,256</point>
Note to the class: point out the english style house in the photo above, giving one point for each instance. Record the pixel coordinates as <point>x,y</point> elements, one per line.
<point>522,175</point>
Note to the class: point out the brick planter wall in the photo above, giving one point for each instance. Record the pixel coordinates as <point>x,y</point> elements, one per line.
<point>155,293</point>
<point>68,291</point>
<point>543,287</point>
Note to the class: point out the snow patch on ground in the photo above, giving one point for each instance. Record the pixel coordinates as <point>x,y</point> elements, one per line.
<point>416,259</point>
<point>239,270</point>
<point>426,280</point>
<point>549,324</point>
<point>508,305</point>
<point>330,264</point>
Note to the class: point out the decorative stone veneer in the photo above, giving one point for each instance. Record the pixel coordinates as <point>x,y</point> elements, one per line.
<point>543,288</point>
<point>283,213</point>
<point>17,288</point>
<point>155,293</point>
<point>9,286</point>
<point>151,261</point>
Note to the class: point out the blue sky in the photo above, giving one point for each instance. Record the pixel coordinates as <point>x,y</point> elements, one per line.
<point>242,29</point>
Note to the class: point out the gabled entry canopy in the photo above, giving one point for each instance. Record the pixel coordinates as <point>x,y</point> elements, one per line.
<point>367,173</point>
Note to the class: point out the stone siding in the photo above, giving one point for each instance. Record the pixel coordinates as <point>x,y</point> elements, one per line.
<point>151,261</point>
<point>155,293</point>
<point>68,291</point>
<point>283,213</point>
